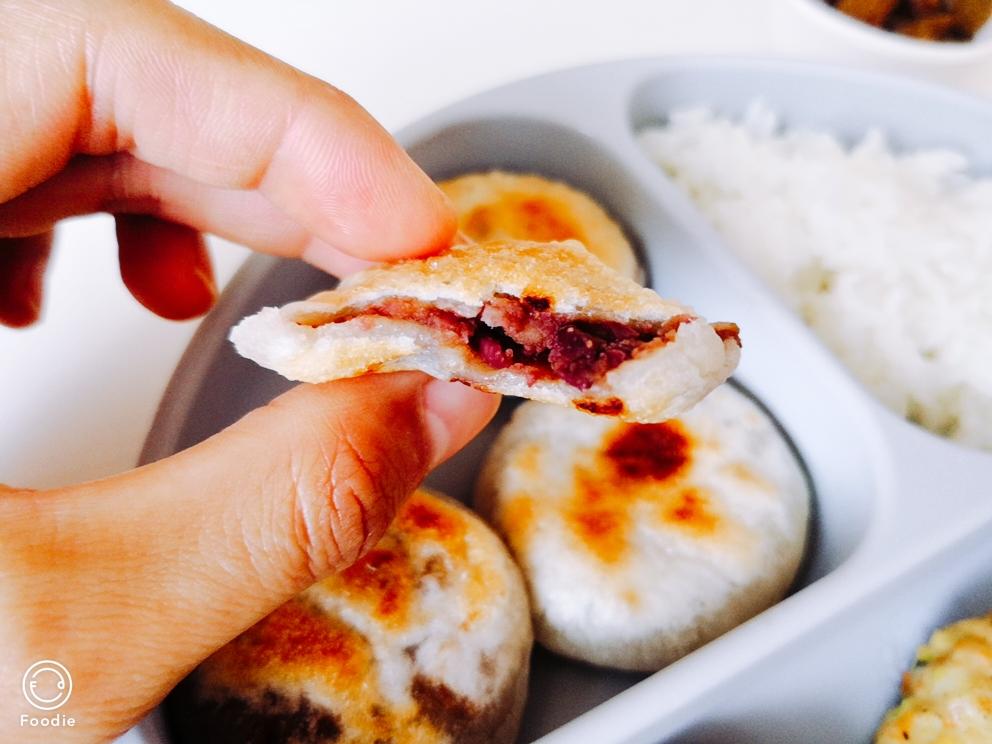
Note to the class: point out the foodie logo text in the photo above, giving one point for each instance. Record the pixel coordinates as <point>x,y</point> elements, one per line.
<point>47,686</point>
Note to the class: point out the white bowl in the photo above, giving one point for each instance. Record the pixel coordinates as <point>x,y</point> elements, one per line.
<point>815,30</point>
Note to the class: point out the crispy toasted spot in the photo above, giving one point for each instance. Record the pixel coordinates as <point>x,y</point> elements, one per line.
<point>690,510</point>
<point>437,568</point>
<point>445,709</point>
<point>599,514</point>
<point>479,223</point>
<point>642,462</point>
<point>383,578</point>
<point>297,637</point>
<point>536,302</point>
<point>650,451</point>
<point>728,331</point>
<point>523,218</point>
<point>445,524</point>
<point>669,330</point>
<point>608,407</point>
<point>603,529</point>
<point>386,578</point>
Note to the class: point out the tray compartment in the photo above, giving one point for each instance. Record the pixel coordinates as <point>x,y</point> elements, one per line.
<point>817,97</point>
<point>835,684</point>
<point>221,386</point>
<point>849,444</point>
<point>809,98</point>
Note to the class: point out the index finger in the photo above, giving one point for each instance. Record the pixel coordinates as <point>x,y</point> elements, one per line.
<point>98,77</point>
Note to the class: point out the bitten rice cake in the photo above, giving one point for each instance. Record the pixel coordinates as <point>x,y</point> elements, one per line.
<point>947,696</point>
<point>514,206</point>
<point>641,542</point>
<point>426,639</point>
<point>547,321</point>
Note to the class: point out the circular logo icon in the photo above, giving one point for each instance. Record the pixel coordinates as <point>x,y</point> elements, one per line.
<point>47,685</point>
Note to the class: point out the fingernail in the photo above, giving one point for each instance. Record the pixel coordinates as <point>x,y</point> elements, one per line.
<point>454,413</point>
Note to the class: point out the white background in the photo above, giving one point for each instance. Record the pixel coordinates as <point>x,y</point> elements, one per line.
<point>78,391</point>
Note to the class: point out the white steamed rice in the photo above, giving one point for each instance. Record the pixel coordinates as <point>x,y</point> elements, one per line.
<point>887,256</point>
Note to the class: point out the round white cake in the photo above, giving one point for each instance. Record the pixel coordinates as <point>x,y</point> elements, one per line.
<point>641,542</point>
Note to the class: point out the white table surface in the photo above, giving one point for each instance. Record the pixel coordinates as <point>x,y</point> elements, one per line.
<point>79,390</point>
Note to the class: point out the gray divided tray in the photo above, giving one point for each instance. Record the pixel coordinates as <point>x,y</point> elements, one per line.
<point>903,521</point>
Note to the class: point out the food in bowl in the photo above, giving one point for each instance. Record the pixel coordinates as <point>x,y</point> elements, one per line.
<point>426,638</point>
<point>947,696</point>
<point>547,321</point>
<point>513,206</point>
<point>933,20</point>
<point>886,255</point>
<point>641,542</point>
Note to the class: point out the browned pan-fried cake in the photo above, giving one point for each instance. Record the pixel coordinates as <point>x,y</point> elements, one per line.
<point>546,321</point>
<point>427,638</point>
<point>515,206</point>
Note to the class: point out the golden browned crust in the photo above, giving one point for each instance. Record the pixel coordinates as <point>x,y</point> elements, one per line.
<point>514,206</point>
<point>327,337</point>
<point>379,651</point>
<point>465,276</point>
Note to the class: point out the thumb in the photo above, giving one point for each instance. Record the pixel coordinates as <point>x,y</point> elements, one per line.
<point>170,561</point>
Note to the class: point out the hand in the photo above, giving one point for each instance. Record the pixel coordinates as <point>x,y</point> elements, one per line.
<point>140,109</point>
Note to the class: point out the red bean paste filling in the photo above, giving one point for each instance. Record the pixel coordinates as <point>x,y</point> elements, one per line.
<point>525,332</point>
